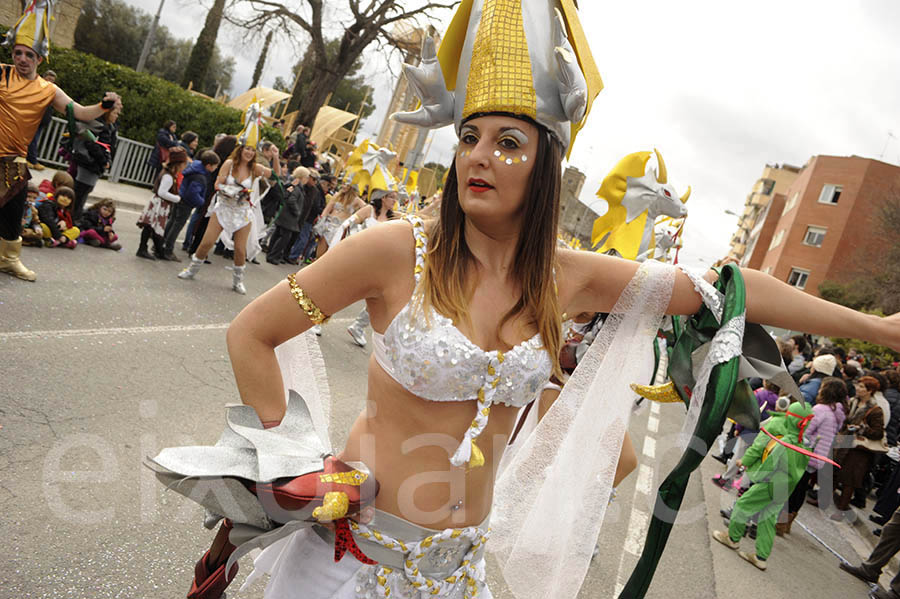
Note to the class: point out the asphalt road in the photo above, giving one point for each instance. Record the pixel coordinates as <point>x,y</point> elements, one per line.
<point>108,358</point>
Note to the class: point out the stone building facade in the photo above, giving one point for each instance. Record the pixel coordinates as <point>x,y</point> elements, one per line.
<point>62,29</point>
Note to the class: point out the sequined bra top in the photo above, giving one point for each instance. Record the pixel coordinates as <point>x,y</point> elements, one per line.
<point>434,360</point>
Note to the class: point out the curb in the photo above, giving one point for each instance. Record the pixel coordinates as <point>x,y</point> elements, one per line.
<point>864,528</point>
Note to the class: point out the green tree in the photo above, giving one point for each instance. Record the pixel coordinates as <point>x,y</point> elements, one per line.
<point>876,282</point>
<point>200,61</point>
<point>367,22</point>
<point>348,94</point>
<point>103,20</point>
<point>876,288</point>
<point>257,72</point>
<point>439,171</point>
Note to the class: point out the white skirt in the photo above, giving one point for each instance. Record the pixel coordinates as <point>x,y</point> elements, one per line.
<point>234,216</point>
<point>302,565</point>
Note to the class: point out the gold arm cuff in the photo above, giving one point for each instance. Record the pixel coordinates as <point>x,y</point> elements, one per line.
<point>305,303</point>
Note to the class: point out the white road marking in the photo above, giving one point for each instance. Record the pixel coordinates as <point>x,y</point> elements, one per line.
<point>25,335</point>
<point>653,424</point>
<point>654,408</point>
<point>20,335</point>
<point>644,483</point>
<point>649,447</point>
<point>637,527</point>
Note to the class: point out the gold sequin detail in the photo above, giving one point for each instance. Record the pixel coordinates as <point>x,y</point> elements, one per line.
<point>354,478</point>
<point>500,73</point>
<point>334,507</point>
<point>306,304</point>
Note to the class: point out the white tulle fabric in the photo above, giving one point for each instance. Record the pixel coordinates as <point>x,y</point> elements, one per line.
<point>303,370</point>
<point>551,493</point>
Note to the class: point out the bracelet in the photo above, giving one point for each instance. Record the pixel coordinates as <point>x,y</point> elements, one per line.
<point>305,303</point>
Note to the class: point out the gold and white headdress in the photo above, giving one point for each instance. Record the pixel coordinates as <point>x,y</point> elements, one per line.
<point>523,57</point>
<point>33,28</point>
<point>252,122</point>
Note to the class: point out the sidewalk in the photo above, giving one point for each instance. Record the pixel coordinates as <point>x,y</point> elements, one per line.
<point>128,197</point>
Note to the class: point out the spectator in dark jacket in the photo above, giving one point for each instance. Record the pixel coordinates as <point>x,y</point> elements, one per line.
<point>56,219</point>
<point>290,218</point>
<point>223,147</point>
<point>892,394</point>
<point>97,225</point>
<point>196,179</point>
<point>165,139</point>
<point>823,365</point>
<point>306,239</point>
<point>92,158</point>
<point>189,141</point>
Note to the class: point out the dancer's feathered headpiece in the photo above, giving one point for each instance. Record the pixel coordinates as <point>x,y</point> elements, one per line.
<point>522,57</point>
<point>33,28</point>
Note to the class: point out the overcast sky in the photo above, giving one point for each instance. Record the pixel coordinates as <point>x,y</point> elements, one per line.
<point>721,89</point>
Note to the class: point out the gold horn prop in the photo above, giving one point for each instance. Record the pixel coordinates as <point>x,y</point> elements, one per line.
<point>664,393</point>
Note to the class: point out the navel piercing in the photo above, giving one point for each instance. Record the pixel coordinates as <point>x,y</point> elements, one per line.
<point>458,505</point>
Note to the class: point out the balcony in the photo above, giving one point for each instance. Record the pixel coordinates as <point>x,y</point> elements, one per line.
<point>759,200</point>
<point>764,187</point>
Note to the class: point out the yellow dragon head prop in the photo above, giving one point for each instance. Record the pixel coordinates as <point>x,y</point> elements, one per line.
<point>636,197</point>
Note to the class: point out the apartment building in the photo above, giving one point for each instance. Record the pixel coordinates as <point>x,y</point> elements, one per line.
<point>774,181</point>
<point>824,226</point>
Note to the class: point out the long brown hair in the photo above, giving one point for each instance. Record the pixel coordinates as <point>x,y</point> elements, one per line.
<point>445,283</point>
<point>345,196</point>
<point>235,157</point>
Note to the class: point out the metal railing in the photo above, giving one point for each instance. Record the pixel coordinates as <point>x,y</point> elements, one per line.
<point>128,166</point>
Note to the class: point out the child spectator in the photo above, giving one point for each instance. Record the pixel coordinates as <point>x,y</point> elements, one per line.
<point>155,215</point>
<point>60,179</point>
<point>56,219</point>
<point>766,399</point>
<point>775,470</point>
<point>197,177</point>
<point>97,225</point>
<point>32,234</point>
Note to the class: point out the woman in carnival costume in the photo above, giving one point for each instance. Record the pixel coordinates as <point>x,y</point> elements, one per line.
<point>470,319</point>
<point>235,214</point>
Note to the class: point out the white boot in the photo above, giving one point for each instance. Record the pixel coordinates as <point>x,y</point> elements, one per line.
<point>237,279</point>
<point>191,269</point>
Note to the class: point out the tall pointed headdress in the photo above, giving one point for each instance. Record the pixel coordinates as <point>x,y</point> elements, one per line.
<point>249,135</point>
<point>33,28</point>
<point>522,57</point>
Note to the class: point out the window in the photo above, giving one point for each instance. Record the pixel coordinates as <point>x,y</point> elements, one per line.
<point>768,187</point>
<point>791,202</point>
<point>814,236</point>
<point>830,194</point>
<point>776,241</point>
<point>798,278</point>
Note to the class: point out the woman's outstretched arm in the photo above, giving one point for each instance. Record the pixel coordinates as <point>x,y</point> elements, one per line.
<point>598,280</point>
<point>773,302</point>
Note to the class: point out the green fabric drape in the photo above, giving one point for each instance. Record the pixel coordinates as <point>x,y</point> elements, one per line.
<point>723,382</point>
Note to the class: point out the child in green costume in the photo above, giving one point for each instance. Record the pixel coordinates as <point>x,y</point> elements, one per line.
<point>774,471</point>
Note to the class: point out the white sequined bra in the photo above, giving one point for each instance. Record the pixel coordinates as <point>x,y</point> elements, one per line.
<point>435,361</point>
